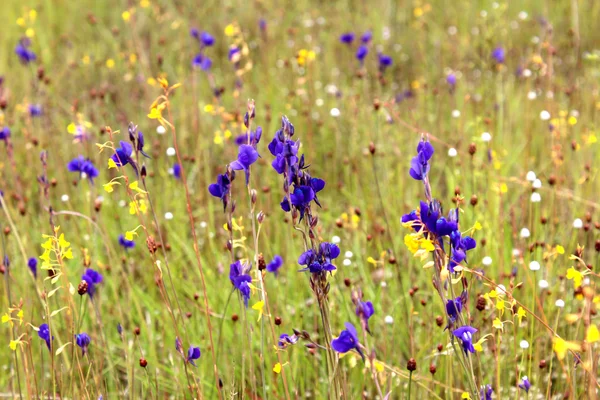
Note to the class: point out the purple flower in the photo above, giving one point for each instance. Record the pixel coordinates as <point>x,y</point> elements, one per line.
<point>453,309</point>
<point>361,53</point>
<point>274,265</point>
<point>221,188</point>
<point>201,61</point>
<point>525,384</point>
<point>140,141</point>
<point>451,79</point>
<point>347,37</point>
<point>486,392</point>
<point>364,310</point>
<point>238,275</point>
<point>419,166</point>
<point>44,333</point>
<point>122,154</point>
<point>25,54</point>
<point>262,24</point>
<point>254,137</point>
<point>35,110</point>
<point>195,33</point>
<point>347,341</point>
<point>193,354</point>
<point>93,278</point>
<point>207,39</point>
<point>366,37</point>
<point>286,340</point>
<point>465,334</point>
<point>247,156</point>
<point>319,261</point>
<point>4,133</point>
<point>83,340</point>
<point>126,244</point>
<point>177,171</point>
<point>234,54</point>
<point>32,264</point>
<point>499,54</point>
<point>83,166</point>
<point>384,62</point>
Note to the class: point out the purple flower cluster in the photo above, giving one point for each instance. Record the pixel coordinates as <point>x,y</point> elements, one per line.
<point>22,50</point>
<point>83,166</point>
<point>362,50</point>
<point>238,275</point>
<point>205,40</point>
<point>93,278</point>
<point>319,261</point>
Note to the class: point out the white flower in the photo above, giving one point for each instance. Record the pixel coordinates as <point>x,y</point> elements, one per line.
<point>171,152</point>
<point>348,254</point>
<point>524,344</point>
<point>452,152</point>
<point>531,176</point>
<point>168,215</point>
<point>545,115</point>
<point>543,284</point>
<point>526,72</point>
<point>531,95</point>
<point>388,319</point>
<point>537,184</point>
<point>122,203</point>
<point>523,15</point>
<point>516,252</point>
<point>525,233</point>
<point>560,303</point>
<point>160,130</point>
<point>335,112</point>
<point>347,262</point>
<point>501,290</point>
<point>203,224</point>
<point>578,223</point>
<point>64,197</point>
<point>335,239</point>
<point>486,137</point>
<point>319,102</point>
<point>535,197</point>
<point>455,114</point>
<point>487,260</point>
<point>534,266</point>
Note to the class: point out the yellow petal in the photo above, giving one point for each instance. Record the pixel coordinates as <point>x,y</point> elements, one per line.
<point>593,335</point>
<point>277,368</point>
<point>111,163</point>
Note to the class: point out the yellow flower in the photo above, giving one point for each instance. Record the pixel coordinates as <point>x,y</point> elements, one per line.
<point>576,276</point>
<point>144,3</point>
<point>30,32</point>
<point>230,30</point>
<point>427,244</point>
<point>521,314</point>
<point>259,306</point>
<point>110,63</point>
<point>126,15</point>
<point>13,344</point>
<point>411,243</point>
<point>135,186</point>
<point>465,396</point>
<point>7,319</point>
<point>108,187</point>
<point>277,368</point>
<point>498,324</point>
<point>561,347</point>
<point>560,249</point>
<point>111,164</point>
<point>593,335</point>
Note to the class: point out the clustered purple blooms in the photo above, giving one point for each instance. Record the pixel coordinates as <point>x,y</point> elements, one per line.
<point>254,137</point>
<point>26,55</point>
<point>193,354</point>
<point>83,340</point>
<point>319,261</point>
<point>83,166</point>
<point>177,171</point>
<point>385,61</point>
<point>419,165</point>
<point>347,341</point>
<point>205,40</point>
<point>126,244</point>
<point>454,308</point>
<point>499,54</point>
<point>465,334</point>
<point>124,153</point>
<point>44,333</point>
<point>292,167</point>
<point>32,264</point>
<point>238,275</point>
<point>274,265</point>
<point>4,133</point>
<point>222,188</point>
<point>286,340</point>
<point>35,110</point>
<point>93,278</point>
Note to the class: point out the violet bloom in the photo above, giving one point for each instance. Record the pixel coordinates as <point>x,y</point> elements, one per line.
<point>221,188</point>
<point>83,166</point>
<point>366,37</point>
<point>247,156</point>
<point>451,80</point>
<point>453,309</point>
<point>274,265</point>
<point>525,384</point>
<point>83,340</point>
<point>499,55</point>
<point>238,275</point>
<point>465,334</point>
<point>234,54</point>
<point>32,264</point>
<point>486,392</point>
<point>25,54</point>
<point>193,354</point>
<point>201,61</point>
<point>347,37</point>
<point>319,261</point>
<point>384,62</point>
<point>123,154</point>
<point>177,171</point>
<point>286,340</point>
<point>93,278</point>
<point>44,333</point>
<point>419,166</point>
<point>35,110</point>
<point>262,24</point>
<point>364,310</point>
<point>347,341</point>
<point>4,133</point>
<point>361,53</point>
<point>126,244</point>
<point>207,39</point>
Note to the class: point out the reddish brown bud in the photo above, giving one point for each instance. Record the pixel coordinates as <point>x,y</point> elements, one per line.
<point>411,365</point>
<point>143,362</point>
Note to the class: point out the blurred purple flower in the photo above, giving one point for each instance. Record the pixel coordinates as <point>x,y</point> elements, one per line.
<point>347,37</point>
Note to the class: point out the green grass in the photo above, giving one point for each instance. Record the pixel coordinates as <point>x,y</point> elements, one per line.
<point>362,203</point>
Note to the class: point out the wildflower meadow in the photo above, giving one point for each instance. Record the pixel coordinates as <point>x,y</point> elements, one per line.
<point>299,199</point>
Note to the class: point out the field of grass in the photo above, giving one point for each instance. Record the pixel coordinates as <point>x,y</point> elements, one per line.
<point>507,93</point>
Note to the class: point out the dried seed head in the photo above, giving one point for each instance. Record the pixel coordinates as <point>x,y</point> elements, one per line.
<point>480,303</point>
<point>472,148</point>
<point>82,288</point>
<point>261,262</point>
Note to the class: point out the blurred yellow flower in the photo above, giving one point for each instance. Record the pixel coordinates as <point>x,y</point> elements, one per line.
<point>110,63</point>
<point>593,335</point>
<point>561,347</point>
